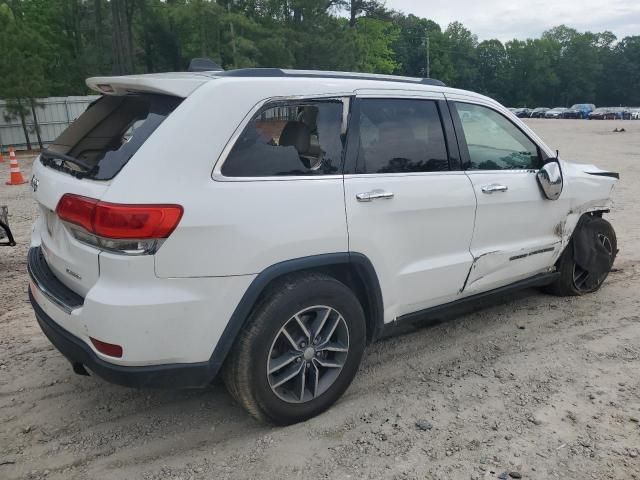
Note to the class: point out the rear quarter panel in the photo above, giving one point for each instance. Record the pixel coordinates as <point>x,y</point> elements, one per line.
<point>229,228</point>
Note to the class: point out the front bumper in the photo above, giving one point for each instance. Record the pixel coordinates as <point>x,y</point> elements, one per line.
<point>82,356</point>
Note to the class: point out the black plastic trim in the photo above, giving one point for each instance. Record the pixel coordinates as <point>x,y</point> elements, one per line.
<point>189,375</point>
<point>258,285</point>
<point>450,136</point>
<point>442,312</point>
<point>193,375</point>
<point>605,174</point>
<point>353,138</point>
<point>465,157</point>
<point>46,281</point>
<point>185,375</point>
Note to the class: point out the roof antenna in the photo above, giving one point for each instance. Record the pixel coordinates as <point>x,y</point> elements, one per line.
<point>204,65</point>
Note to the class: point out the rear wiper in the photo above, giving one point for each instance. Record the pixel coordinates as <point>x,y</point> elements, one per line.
<point>66,158</point>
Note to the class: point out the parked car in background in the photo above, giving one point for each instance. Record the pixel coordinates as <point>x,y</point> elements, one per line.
<point>579,110</point>
<point>539,112</point>
<point>607,113</point>
<point>523,112</point>
<point>635,113</point>
<point>556,112</point>
<point>598,113</point>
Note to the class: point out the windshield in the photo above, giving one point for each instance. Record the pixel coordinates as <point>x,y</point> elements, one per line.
<point>103,139</point>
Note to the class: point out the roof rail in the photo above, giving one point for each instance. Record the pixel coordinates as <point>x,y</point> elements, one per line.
<point>278,72</point>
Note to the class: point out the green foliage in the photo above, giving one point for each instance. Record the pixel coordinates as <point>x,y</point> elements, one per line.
<point>49,47</point>
<point>371,44</point>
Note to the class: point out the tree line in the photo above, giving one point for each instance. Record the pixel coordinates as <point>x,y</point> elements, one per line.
<point>48,48</point>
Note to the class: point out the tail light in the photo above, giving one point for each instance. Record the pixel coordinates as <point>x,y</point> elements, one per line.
<point>123,228</point>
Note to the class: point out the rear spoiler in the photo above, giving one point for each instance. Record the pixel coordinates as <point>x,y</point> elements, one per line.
<point>175,84</point>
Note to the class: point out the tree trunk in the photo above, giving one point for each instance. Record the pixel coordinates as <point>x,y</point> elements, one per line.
<point>233,39</point>
<point>35,122</point>
<point>24,126</point>
<point>129,9</point>
<point>354,9</point>
<point>121,38</point>
<point>116,39</point>
<point>98,35</point>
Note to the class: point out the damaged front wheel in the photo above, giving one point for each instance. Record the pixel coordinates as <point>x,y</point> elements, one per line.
<point>587,260</point>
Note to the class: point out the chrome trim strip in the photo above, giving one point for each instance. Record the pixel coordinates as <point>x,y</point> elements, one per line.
<point>535,252</point>
<point>404,174</point>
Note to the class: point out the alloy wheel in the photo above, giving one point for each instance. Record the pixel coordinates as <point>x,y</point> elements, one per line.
<point>307,354</point>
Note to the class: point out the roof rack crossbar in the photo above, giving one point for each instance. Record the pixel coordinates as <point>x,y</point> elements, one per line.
<point>277,72</point>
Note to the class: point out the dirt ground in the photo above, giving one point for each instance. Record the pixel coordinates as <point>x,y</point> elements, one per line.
<point>539,386</point>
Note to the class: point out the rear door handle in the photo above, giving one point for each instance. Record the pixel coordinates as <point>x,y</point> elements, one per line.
<point>374,195</point>
<point>494,187</point>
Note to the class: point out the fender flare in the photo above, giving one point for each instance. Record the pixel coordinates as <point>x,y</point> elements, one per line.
<point>360,264</point>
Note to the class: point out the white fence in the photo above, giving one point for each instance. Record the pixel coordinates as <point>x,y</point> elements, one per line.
<point>54,115</point>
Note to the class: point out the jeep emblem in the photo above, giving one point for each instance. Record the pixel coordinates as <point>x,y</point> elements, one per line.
<point>34,183</point>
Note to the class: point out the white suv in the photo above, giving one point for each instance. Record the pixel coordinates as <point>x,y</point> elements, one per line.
<point>268,224</point>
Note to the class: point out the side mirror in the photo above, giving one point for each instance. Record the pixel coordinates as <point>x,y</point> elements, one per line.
<point>550,179</point>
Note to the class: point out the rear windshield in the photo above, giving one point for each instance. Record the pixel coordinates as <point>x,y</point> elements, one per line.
<point>103,139</point>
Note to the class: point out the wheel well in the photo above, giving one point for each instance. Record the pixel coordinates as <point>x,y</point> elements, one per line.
<point>350,275</point>
<point>353,269</point>
<point>355,276</point>
<point>592,213</point>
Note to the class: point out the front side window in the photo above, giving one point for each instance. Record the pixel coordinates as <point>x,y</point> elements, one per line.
<point>289,138</point>
<point>494,142</point>
<point>400,136</point>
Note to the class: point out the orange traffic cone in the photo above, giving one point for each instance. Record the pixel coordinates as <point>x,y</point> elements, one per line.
<point>16,177</point>
<point>1,157</point>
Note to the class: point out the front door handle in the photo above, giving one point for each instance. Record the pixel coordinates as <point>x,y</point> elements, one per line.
<point>494,187</point>
<point>374,195</point>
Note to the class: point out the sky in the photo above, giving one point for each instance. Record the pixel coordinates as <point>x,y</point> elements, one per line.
<point>508,19</point>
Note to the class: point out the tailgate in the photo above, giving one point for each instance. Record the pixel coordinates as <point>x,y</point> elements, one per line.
<point>73,263</point>
<point>82,161</point>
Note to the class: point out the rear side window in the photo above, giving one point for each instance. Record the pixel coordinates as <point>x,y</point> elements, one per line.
<point>289,138</point>
<point>401,135</point>
<point>103,139</point>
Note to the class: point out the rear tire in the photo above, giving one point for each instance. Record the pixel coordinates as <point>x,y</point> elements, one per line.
<point>573,280</point>
<point>308,327</point>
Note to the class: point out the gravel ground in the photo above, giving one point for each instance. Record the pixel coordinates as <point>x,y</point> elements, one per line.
<point>533,385</point>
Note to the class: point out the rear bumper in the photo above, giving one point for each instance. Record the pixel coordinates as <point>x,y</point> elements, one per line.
<point>170,329</point>
<point>81,355</point>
